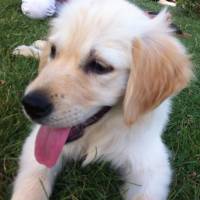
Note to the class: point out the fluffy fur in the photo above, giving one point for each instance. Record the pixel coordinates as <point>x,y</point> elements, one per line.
<point>150,66</point>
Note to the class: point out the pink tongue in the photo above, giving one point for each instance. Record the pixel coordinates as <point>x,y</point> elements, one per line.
<point>49,144</point>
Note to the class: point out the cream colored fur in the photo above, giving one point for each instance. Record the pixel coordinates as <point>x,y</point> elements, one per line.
<point>147,72</point>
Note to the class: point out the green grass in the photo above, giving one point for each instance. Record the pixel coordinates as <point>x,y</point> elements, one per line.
<point>96,181</point>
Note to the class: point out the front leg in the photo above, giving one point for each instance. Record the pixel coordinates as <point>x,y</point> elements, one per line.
<point>34,181</point>
<point>148,173</point>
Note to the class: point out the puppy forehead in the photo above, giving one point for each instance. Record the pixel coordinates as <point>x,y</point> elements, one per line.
<point>91,25</point>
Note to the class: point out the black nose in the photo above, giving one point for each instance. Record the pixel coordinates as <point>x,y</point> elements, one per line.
<point>37,105</point>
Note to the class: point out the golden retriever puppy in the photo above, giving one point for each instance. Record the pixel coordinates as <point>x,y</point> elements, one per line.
<point>103,92</point>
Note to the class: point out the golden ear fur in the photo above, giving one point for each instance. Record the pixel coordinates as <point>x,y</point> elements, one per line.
<point>160,69</point>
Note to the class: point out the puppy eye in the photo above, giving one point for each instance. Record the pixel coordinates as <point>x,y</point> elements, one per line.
<point>97,68</point>
<point>53,51</point>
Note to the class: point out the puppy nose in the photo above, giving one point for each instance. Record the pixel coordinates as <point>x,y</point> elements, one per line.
<point>37,105</point>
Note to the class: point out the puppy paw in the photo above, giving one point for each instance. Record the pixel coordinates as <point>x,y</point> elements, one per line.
<point>26,51</point>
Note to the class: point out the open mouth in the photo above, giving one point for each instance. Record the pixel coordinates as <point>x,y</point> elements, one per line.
<point>50,141</point>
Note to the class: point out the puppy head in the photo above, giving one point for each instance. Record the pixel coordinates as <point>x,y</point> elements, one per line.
<point>84,66</point>
<point>94,57</point>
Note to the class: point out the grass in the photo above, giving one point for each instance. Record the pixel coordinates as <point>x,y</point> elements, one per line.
<point>96,181</point>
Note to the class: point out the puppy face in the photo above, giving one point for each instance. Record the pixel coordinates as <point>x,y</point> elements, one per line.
<point>85,65</point>
<point>77,87</point>
<point>93,52</point>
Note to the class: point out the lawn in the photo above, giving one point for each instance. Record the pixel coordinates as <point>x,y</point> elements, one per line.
<point>97,181</point>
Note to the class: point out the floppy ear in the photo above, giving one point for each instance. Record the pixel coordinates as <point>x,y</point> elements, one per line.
<point>160,69</point>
